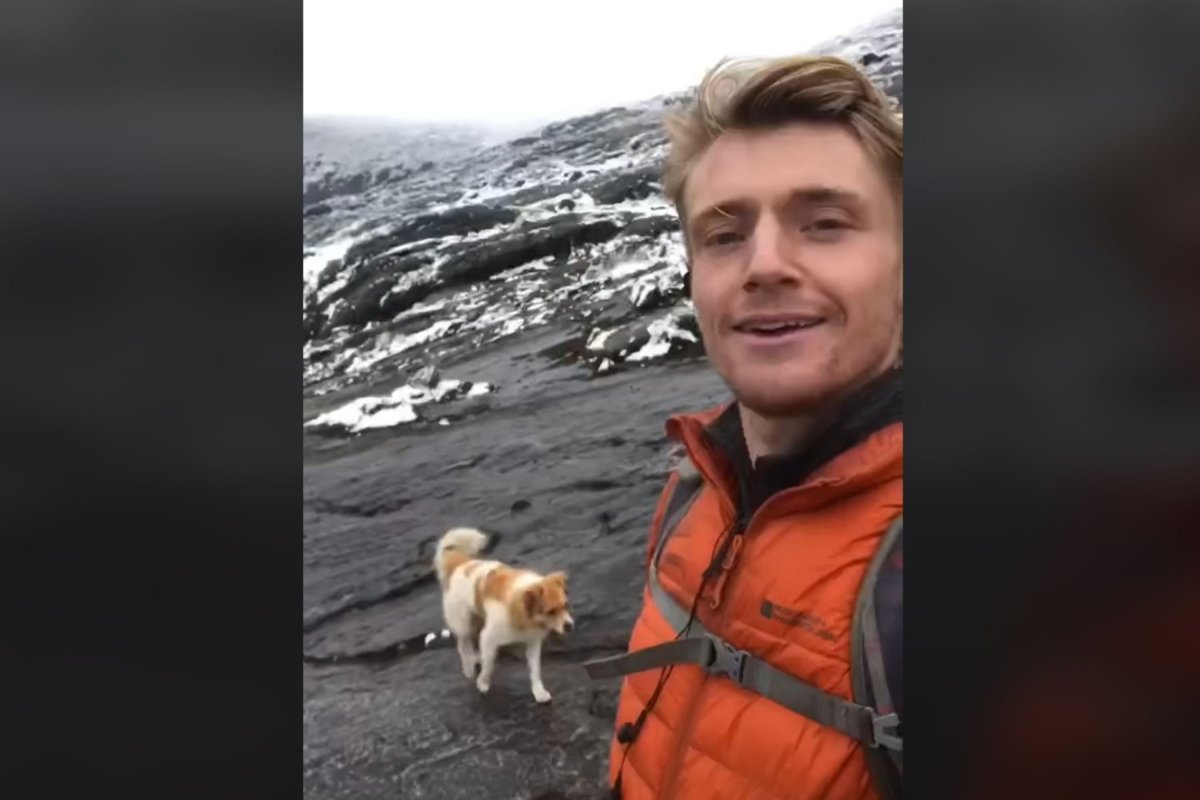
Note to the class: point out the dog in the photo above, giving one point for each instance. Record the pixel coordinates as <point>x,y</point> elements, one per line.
<point>504,605</point>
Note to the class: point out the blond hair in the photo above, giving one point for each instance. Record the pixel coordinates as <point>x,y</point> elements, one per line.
<point>755,95</point>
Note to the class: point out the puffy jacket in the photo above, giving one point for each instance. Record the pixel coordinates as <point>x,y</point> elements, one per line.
<point>795,558</point>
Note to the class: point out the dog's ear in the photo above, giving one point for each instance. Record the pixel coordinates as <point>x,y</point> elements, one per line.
<point>533,599</point>
<point>559,578</point>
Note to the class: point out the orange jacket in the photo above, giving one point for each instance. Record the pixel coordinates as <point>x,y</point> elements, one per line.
<point>788,596</point>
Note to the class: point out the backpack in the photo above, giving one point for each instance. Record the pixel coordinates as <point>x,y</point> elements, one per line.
<point>873,717</point>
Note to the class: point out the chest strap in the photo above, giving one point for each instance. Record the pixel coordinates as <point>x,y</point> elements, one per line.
<point>718,657</point>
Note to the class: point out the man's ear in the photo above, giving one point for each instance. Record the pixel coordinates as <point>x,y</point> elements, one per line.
<point>532,599</point>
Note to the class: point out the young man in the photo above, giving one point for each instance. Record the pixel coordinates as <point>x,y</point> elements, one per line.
<point>746,675</point>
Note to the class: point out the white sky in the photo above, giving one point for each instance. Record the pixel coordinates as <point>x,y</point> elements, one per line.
<point>515,61</point>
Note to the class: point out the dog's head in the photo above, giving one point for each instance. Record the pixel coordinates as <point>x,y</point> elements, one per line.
<point>546,604</point>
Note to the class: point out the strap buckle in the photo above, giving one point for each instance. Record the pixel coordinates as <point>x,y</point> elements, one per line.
<point>726,659</point>
<point>883,727</point>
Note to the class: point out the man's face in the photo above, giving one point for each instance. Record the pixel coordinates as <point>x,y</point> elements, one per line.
<point>796,251</point>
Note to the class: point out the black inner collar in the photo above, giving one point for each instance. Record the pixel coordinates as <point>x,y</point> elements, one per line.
<point>868,410</point>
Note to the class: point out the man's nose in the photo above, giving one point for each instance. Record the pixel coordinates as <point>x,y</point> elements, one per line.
<point>772,259</point>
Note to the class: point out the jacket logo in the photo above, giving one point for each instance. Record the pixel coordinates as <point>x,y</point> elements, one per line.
<point>796,619</point>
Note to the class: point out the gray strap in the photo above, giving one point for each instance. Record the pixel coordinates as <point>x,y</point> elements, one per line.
<point>696,650</point>
<point>687,489</point>
<point>832,711</point>
<point>865,643</point>
<point>870,622</point>
<point>718,657</point>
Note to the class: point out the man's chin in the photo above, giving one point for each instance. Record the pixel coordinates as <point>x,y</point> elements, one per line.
<point>780,392</point>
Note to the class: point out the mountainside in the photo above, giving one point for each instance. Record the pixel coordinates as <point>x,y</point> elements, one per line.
<point>494,334</point>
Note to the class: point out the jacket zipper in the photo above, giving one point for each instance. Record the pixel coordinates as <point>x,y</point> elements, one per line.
<point>671,774</point>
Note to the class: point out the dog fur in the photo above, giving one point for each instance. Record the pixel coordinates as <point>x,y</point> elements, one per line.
<point>503,605</point>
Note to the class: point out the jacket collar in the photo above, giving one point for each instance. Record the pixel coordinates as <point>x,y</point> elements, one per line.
<point>860,444</point>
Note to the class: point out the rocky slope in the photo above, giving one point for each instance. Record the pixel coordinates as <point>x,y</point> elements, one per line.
<point>494,338</point>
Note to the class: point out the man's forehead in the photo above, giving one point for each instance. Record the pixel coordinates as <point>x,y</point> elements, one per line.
<point>776,163</point>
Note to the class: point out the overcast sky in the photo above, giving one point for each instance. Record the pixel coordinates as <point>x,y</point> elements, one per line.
<point>517,61</point>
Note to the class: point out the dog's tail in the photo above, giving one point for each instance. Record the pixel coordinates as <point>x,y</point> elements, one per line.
<point>456,546</point>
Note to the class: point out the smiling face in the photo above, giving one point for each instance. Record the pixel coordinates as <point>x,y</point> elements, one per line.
<point>796,264</point>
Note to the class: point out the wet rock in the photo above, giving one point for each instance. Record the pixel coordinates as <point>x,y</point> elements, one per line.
<point>633,185</point>
<point>554,238</point>
<point>651,227</point>
<point>427,377</point>
<point>452,222</point>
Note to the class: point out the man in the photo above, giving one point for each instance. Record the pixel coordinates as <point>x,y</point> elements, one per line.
<point>745,677</point>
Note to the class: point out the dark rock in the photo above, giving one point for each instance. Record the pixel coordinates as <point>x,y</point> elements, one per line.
<point>453,222</point>
<point>647,296</point>
<point>623,341</point>
<point>628,186</point>
<point>313,322</point>
<point>332,186</point>
<point>867,59</point>
<point>555,238</point>
<point>318,210</point>
<point>520,505</point>
<point>362,301</point>
<point>614,311</point>
<point>567,205</point>
<point>427,377</point>
<point>651,227</point>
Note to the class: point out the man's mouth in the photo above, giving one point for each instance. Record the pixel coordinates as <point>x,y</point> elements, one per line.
<point>774,327</point>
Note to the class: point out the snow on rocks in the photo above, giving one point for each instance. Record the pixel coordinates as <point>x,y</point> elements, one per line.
<point>399,407</point>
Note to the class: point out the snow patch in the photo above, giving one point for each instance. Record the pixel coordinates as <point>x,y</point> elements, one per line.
<point>597,338</point>
<point>397,408</point>
<point>393,344</point>
<point>663,331</point>
<point>323,254</point>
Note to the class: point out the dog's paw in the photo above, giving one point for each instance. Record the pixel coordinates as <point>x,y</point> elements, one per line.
<point>482,685</point>
<point>541,695</point>
<point>469,668</point>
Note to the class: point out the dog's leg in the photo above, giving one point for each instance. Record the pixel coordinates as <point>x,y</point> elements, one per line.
<point>533,654</point>
<point>489,644</point>
<point>467,653</point>
<point>458,620</point>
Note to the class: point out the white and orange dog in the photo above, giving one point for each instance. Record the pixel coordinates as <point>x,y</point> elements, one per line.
<point>504,605</point>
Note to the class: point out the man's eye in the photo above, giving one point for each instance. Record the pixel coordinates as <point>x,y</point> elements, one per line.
<point>828,226</point>
<point>722,238</point>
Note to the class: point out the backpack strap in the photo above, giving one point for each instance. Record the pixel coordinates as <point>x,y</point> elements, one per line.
<point>877,624</point>
<point>716,656</point>
<point>688,483</point>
